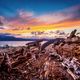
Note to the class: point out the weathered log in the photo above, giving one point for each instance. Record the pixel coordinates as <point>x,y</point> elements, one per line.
<point>6,64</point>
<point>75,77</point>
<point>53,41</point>
<point>35,43</point>
<point>72,34</point>
<point>19,61</point>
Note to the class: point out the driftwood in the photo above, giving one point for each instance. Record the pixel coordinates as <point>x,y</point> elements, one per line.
<point>23,63</point>
<point>73,75</point>
<point>71,72</point>
<point>35,43</point>
<point>19,61</point>
<point>72,34</point>
<point>6,64</point>
<point>53,41</point>
<point>57,41</point>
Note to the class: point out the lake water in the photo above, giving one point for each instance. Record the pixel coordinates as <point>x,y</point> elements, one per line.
<point>14,43</point>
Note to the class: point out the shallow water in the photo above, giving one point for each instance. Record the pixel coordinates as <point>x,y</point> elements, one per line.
<point>13,43</point>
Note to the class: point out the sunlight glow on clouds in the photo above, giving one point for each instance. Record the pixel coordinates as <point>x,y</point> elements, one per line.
<point>29,18</point>
<point>26,21</point>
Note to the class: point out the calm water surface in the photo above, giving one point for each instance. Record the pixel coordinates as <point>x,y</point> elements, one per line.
<point>14,43</point>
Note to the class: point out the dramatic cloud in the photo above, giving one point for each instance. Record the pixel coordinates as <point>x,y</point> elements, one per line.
<point>4,27</point>
<point>26,21</point>
<point>64,15</point>
<point>54,17</point>
<point>2,20</point>
<point>26,18</point>
<point>25,15</point>
<point>3,23</point>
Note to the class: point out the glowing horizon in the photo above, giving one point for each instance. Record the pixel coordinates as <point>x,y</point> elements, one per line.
<point>57,26</point>
<point>30,17</point>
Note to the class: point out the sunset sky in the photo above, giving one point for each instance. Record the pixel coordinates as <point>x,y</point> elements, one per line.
<point>24,16</point>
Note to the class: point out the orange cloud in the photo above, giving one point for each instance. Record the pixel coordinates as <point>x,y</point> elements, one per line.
<point>56,26</point>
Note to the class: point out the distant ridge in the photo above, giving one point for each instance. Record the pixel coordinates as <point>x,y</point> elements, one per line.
<point>8,37</point>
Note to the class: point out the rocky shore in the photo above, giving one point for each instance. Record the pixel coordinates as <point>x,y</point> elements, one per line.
<point>57,59</point>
